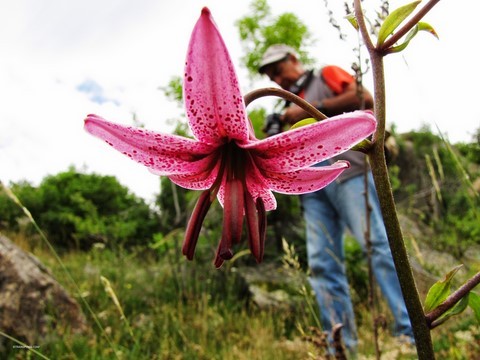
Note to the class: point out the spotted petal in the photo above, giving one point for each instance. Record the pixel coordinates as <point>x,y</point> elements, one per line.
<point>197,181</point>
<point>305,180</point>
<point>258,188</point>
<point>307,145</point>
<point>213,101</point>
<point>163,154</point>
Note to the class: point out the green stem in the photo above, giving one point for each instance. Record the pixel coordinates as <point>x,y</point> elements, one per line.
<point>382,183</point>
<point>287,95</point>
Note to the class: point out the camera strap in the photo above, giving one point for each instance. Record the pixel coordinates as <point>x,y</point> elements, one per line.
<point>302,83</point>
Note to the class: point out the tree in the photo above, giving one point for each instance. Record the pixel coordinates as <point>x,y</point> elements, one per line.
<point>260,29</point>
<point>76,210</point>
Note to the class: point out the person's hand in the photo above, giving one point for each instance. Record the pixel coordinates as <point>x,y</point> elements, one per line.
<point>294,114</point>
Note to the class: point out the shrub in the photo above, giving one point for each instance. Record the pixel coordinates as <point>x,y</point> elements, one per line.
<point>77,210</point>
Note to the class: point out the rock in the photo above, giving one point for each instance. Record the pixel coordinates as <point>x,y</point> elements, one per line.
<point>273,286</point>
<point>32,303</point>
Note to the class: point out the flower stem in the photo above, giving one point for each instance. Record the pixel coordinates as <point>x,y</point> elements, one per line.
<point>382,183</point>
<point>287,95</point>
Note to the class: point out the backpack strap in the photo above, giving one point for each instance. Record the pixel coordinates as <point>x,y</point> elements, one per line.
<point>336,78</point>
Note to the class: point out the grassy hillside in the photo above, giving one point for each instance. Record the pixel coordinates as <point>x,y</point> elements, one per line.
<point>175,309</point>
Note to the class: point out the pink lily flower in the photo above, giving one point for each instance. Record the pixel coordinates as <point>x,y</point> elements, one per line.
<point>225,160</point>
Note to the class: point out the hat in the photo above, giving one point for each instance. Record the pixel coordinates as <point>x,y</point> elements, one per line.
<point>275,53</point>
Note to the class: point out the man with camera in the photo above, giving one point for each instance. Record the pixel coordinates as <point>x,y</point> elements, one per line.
<point>341,205</point>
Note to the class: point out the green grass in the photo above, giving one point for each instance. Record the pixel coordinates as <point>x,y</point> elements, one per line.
<point>188,310</point>
<point>175,309</point>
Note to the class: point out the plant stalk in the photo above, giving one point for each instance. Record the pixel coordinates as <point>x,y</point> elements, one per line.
<point>399,253</point>
<point>382,183</point>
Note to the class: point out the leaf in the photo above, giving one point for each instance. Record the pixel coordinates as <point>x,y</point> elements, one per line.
<point>439,291</point>
<point>474,303</point>
<point>421,26</point>
<point>392,21</point>
<point>459,307</point>
<point>352,19</point>
<point>402,46</point>
<point>303,122</point>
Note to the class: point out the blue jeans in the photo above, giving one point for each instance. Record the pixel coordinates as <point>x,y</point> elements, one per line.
<point>328,212</point>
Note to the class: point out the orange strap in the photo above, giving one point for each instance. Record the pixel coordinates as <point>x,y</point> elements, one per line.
<point>336,78</point>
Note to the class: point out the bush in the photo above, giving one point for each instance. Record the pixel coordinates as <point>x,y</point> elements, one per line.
<point>77,210</point>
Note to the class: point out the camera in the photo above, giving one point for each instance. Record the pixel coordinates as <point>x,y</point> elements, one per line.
<point>273,124</point>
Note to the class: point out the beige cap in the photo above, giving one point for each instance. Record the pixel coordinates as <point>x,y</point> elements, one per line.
<point>275,53</point>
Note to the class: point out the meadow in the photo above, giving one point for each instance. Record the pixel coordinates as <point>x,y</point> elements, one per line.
<point>150,304</point>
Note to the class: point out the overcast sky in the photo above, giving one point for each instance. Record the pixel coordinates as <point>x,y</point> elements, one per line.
<point>61,60</point>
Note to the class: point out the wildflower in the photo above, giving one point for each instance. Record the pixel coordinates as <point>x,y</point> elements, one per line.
<point>225,160</point>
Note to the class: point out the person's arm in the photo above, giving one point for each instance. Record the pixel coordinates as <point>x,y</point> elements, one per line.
<point>345,100</point>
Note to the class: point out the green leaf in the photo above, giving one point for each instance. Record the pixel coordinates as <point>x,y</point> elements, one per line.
<point>410,36</point>
<point>439,291</point>
<point>352,19</point>
<point>393,20</point>
<point>459,307</point>
<point>474,303</point>
<point>421,26</point>
<point>303,122</point>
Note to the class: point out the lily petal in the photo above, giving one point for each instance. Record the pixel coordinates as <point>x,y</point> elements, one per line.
<point>195,224</point>
<point>232,217</point>
<point>213,100</point>
<point>255,216</point>
<point>305,180</point>
<point>258,188</point>
<point>256,185</point>
<point>162,153</point>
<point>197,181</point>
<point>307,145</point>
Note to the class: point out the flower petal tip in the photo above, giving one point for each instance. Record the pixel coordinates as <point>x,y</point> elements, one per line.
<point>91,117</point>
<point>218,262</point>
<point>206,11</point>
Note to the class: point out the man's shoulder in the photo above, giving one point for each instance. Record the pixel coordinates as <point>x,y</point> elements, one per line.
<point>335,77</point>
<point>335,72</point>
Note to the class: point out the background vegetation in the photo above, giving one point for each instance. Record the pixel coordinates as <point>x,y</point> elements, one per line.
<point>188,310</point>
